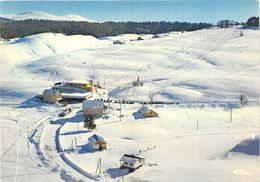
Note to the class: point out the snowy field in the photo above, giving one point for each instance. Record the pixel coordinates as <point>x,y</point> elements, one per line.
<point>181,151</point>
<point>206,71</point>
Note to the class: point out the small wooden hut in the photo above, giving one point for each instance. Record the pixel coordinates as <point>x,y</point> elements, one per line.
<point>147,112</point>
<point>97,142</point>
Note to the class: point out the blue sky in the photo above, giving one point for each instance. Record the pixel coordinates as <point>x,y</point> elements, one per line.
<point>182,10</point>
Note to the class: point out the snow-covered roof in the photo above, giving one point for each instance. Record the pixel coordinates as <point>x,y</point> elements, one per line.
<point>131,159</point>
<point>94,138</point>
<point>51,91</point>
<point>92,104</point>
<point>69,89</point>
<point>143,109</point>
<point>78,81</point>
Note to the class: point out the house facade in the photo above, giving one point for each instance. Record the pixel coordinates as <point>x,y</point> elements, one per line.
<point>131,162</point>
<point>51,95</point>
<point>147,112</point>
<point>97,142</point>
<point>93,108</point>
<point>87,85</point>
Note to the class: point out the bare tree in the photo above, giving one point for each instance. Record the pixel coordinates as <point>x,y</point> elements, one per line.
<point>243,100</point>
<point>151,97</point>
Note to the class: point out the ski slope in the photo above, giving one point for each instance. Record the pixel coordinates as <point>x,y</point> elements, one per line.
<point>189,66</point>
<point>206,71</point>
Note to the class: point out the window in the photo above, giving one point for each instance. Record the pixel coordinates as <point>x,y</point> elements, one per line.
<point>131,164</point>
<point>126,163</point>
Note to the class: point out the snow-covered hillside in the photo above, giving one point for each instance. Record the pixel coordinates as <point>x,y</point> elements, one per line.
<point>43,16</point>
<point>214,64</point>
<point>205,71</point>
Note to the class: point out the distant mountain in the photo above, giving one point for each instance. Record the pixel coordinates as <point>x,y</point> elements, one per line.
<point>36,15</point>
<point>5,20</point>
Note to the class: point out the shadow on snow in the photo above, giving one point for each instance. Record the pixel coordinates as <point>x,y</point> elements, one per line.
<point>117,172</point>
<point>248,146</point>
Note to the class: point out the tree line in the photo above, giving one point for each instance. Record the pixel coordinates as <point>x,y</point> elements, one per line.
<point>24,28</point>
<point>251,22</point>
<point>14,29</point>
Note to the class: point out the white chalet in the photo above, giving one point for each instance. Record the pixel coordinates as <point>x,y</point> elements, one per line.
<point>51,95</point>
<point>131,162</point>
<point>93,108</point>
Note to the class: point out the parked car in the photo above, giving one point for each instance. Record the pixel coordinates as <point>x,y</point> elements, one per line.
<point>65,112</point>
<point>53,121</point>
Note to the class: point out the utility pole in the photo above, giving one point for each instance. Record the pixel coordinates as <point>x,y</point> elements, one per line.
<point>120,110</point>
<point>76,143</point>
<point>197,125</point>
<point>98,169</point>
<point>230,115</point>
<point>151,98</point>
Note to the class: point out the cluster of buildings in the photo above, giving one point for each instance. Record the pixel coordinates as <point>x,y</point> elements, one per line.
<point>84,90</point>
<point>129,161</point>
<point>70,90</point>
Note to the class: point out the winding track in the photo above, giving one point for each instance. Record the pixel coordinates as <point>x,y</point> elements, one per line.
<point>18,160</point>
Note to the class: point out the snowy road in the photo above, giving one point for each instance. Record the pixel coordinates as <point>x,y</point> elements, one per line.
<point>19,162</point>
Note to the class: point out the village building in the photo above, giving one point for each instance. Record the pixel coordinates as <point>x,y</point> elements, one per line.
<point>131,162</point>
<point>93,108</point>
<point>118,42</point>
<point>97,142</point>
<point>87,85</point>
<point>145,112</point>
<point>51,95</point>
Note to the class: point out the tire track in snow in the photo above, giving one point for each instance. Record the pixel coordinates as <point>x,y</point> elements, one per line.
<point>8,148</point>
<point>17,152</point>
